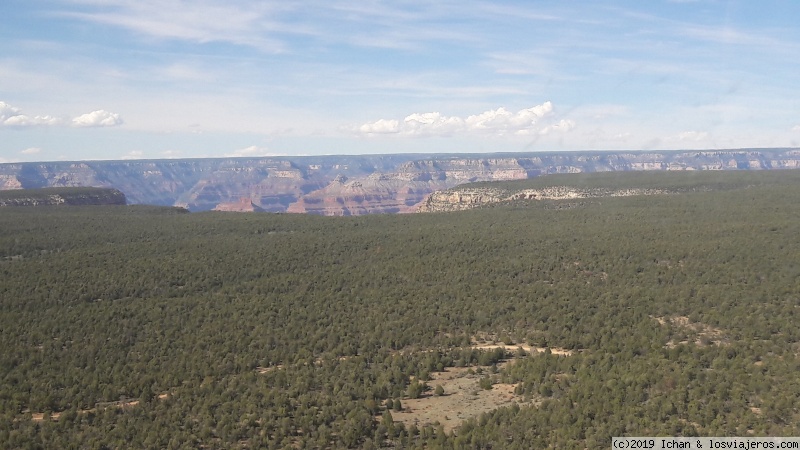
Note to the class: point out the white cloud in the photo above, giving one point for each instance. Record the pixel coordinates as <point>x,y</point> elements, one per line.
<point>489,119</point>
<point>535,120</point>
<point>99,118</point>
<point>248,151</point>
<point>7,111</point>
<point>432,123</point>
<point>12,117</point>
<point>31,151</point>
<point>501,120</point>
<point>796,128</point>
<point>381,126</point>
<point>133,154</point>
<point>22,120</point>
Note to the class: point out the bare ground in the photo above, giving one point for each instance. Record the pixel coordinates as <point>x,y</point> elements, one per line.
<point>528,348</point>
<point>463,398</point>
<point>38,417</point>
<point>703,334</point>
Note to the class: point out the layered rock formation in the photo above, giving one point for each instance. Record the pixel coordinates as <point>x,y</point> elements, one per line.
<point>346,185</point>
<point>376,193</point>
<point>403,188</point>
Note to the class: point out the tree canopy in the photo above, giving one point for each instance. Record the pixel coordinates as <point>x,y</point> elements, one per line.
<point>138,326</point>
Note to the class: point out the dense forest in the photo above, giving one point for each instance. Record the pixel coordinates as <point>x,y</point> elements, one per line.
<point>149,327</point>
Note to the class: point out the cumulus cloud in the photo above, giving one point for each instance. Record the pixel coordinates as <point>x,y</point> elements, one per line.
<point>502,120</point>
<point>432,124</point>
<point>535,120</point>
<point>31,151</point>
<point>22,120</point>
<point>99,118</point>
<point>381,126</point>
<point>11,116</point>
<point>7,111</point>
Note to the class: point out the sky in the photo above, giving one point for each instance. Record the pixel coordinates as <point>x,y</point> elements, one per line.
<point>144,79</point>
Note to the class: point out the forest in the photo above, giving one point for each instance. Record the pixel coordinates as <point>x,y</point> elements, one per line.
<point>150,327</point>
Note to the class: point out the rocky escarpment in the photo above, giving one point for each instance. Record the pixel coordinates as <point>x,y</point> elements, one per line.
<point>402,189</point>
<point>377,193</point>
<point>348,185</point>
<point>62,196</point>
<point>462,199</point>
<point>243,205</point>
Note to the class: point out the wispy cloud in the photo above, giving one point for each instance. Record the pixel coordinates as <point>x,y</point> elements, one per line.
<point>695,136</point>
<point>271,26</point>
<point>520,63</point>
<point>31,151</point>
<point>562,125</point>
<point>172,154</point>
<point>244,23</point>
<point>727,35</point>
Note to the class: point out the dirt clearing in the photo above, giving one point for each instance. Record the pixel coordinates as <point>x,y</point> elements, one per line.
<point>699,333</point>
<point>463,398</point>
<point>528,348</point>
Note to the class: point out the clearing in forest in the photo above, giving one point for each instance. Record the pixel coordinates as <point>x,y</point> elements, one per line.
<point>528,348</point>
<point>701,333</point>
<point>463,398</point>
<point>38,416</point>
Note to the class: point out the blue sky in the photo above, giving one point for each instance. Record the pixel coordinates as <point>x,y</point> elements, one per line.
<point>114,79</point>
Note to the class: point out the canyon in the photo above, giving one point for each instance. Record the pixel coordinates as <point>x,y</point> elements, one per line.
<point>356,184</point>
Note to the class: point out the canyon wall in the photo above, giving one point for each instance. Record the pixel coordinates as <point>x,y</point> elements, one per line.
<point>351,185</point>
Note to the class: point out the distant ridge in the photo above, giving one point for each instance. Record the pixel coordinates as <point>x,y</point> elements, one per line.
<point>355,184</point>
<point>69,196</point>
